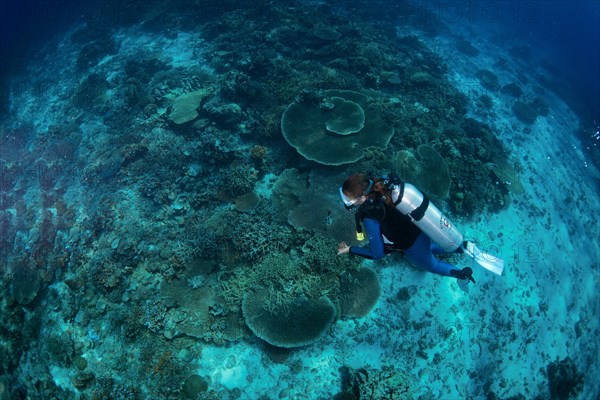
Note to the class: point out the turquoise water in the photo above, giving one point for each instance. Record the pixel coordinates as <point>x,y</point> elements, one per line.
<point>170,214</point>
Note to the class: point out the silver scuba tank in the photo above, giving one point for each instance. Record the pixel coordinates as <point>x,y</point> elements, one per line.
<point>411,202</point>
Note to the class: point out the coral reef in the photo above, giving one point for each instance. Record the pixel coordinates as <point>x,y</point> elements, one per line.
<point>246,202</point>
<point>334,128</point>
<point>429,172</point>
<point>359,292</point>
<point>177,189</point>
<point>365,383</point>
<point>287,323</point>
<point>315,207</point>
<point>525,112</point>
<point>564,380</point>
<point>185,106</point>
<point>256,234</point>
<point>512,89</point>
<point>26,282</point>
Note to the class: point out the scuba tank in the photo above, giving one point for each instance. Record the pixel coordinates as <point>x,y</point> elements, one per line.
<point>411,202</point>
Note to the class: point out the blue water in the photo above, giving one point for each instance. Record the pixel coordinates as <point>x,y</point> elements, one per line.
<point>170,214</point>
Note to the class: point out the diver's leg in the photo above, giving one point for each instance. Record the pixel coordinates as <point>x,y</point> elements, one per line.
<point>421,256</point>
<point>437,249</point>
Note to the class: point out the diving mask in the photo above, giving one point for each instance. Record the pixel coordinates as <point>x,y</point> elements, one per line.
<point>350,202</point>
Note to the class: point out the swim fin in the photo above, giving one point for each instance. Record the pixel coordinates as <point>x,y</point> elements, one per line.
<point>463,284</point>
<point>487,261</point>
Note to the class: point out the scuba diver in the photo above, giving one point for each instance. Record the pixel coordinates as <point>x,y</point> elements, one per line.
<point>399,218</point>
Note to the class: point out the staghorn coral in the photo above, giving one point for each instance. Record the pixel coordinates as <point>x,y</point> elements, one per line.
<point>276,270</point>
<point>256,234</point>
<point>196,281</point>
<point>285,277</point>
<point>319,253</point>
<point>154,313</point>
<point>108,388</point>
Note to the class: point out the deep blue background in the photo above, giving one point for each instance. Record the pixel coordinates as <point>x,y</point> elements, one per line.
<point>27,24</point>
<point>573,29</point>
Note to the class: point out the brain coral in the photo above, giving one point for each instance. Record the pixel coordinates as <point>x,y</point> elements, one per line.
<point>337,130</point>
<point>295,323</point>
<point>359,292</point>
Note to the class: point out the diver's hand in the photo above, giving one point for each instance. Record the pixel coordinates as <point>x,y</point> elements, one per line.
<point>343,248</point>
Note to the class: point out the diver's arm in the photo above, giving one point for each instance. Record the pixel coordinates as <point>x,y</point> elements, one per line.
<point>375,249</point>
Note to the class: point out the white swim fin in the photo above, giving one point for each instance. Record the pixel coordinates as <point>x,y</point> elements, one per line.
<point>463,285</point>
<point>487,261</point>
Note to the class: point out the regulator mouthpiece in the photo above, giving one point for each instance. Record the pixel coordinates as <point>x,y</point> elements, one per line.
<point>360,236</point>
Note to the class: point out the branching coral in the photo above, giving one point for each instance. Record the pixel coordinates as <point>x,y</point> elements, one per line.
<point>154,315</point>
<point>278,271</point>
<point>108,276</point>
<point>256,234</point>
<point>238,179</point>
<point>246,202</point>
<point>319,253</point>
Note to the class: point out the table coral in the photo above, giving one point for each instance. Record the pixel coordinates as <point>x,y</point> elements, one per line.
<point>359,292</point>
<point>329,131</point>
<point>295,323</point>
<point>185,107</point>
